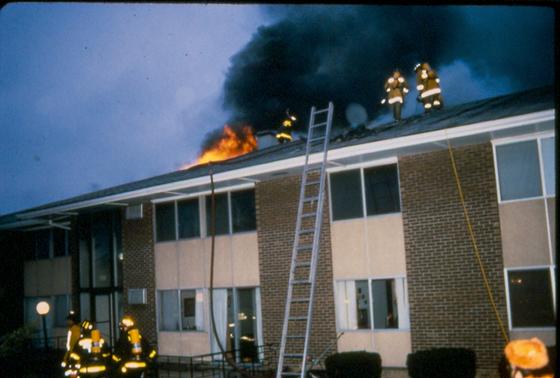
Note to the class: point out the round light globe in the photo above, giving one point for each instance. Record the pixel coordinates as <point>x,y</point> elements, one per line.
<point>42,308</point>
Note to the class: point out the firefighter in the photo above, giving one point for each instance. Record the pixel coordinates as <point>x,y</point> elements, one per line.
<point>427,83</point>
<point>93,352</point>
<point>70,358</point>
<point>528,359</point>
<point>133,353</point>
<point>284,133</point>
<point>396,89</point>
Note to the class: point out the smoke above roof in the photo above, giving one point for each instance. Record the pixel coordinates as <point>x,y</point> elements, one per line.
<point>314,54</point>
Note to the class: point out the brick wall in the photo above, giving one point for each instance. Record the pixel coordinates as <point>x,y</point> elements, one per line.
<point>139,269</point>
<point>448,301</point>
<point>276,206</point>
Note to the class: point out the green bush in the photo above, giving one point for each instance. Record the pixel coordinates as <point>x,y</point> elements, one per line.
<point>353,365</point>
<point>442,362</point>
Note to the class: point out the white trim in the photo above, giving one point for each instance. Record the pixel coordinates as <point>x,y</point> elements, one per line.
<point>368,164</point>
<point>524,137</point>
<point>231,188</point>
<point>339,153</point>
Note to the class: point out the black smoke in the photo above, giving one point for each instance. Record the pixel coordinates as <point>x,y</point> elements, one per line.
<point>314,54</point>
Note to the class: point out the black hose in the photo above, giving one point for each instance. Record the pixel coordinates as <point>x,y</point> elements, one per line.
<point>228,358</point>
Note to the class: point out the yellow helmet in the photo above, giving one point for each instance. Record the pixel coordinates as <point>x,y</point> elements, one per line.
<point>527,354</point>
<point>126,322</point>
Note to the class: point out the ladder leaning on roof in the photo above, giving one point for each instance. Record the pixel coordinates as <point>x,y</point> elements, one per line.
<point>296,330</point>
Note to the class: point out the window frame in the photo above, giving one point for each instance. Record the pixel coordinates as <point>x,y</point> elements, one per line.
<point>552,278</point>
<point>369,281</point>
<point>538,137</point>
<point>180,308</point>
<point>202,219</point>
<point>363,166</point>
<point>34,254</point>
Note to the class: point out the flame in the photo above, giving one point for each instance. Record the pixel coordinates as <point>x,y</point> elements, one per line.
<point>230,144</point>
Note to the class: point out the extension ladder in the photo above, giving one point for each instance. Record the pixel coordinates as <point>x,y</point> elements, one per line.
<point>296,329</point>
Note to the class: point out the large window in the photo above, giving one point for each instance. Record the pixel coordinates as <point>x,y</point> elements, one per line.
<point>530,298</point>
<point>526,169</point>
<point>363,303</point>
<point>380,192</point>
<point>49,243</point>
<point>234,212</point>
<point>181,310</point>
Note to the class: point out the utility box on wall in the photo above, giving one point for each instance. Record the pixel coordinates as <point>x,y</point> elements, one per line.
<point>134,212</point>
<point>137,296</point>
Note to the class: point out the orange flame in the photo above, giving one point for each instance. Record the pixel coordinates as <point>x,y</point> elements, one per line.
<point>231,144</point>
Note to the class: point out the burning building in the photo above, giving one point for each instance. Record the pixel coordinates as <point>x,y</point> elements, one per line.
<point>396,272</point>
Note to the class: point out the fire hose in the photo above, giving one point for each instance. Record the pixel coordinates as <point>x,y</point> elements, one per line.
<point>227,357</point>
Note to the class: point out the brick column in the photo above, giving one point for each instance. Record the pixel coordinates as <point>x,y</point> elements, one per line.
<point>276,206</point>
<point>449,306</point>
<point>139,269</point>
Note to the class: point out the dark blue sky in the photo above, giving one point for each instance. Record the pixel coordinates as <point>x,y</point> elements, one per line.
<point>95,95</point>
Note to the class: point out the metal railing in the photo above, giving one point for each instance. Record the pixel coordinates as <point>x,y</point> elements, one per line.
<point>214,365</point>
<point>54,342</point>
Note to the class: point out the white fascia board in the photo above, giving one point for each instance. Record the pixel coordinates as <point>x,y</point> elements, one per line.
<point>339,153</point>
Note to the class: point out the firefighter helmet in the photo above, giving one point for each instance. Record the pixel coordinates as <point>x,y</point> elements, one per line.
<point>72,316</point>
<point>527,354</point>
<point>86,325</point>
<point>126,322</point>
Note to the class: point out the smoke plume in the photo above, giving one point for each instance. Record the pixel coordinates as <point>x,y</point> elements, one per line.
<point>314,54</point>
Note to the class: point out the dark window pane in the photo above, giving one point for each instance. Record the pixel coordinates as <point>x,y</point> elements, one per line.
<point>60,242</point>
<point>85,263</point>
<point>60,310</point>
<point>362,305</point>
<point>119,250</point>
<point>382,190</point>
<point>188,302</point>
<point>222,217</point>
<point>165,222</point>
<point>531,298</point>
<point>243,211</point>
<point>189,225</point>
<point>169,310</point>
<point>42,244</point>
<point>346,194</point>
<point>384,304</point>
<point>518,170</point>
<point>101,232</point>
<point>247,318</point>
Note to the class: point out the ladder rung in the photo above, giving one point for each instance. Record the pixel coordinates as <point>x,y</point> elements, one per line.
<point>293,355</point>
<point>305,263</point>
<point>311,199</point>
<point>307,215</point>
<point>297,318</point>
<point>314,139</point>
<point>301,282</point>
<point>321,111</point>
<point>291,373</point>
<point>307,231</point>
<point>304,247</point>
<point>314,182</point>
<point>317,125</point>
<point>296,336</point>
<point>299,300</point>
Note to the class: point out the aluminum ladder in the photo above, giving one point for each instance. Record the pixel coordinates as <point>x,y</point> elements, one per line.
<point>296,330</point>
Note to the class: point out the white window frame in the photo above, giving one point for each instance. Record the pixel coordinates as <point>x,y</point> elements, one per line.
<point>369,280</point>
<point>523,138</point>
<point>362,167</point>
<point>550,269</point>
<point>180,313</point>
<point>201,211</point>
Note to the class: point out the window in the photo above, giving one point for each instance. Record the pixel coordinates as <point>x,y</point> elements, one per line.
<point>60,242</point>
<point>221,214</point>
<point>181,310</point>
<point>43,244</point>
<point>381,192</point>
<point>530,298</point>
<point>165,222</point>
<point>61,308</point>
<point>519,169</point>
<point>47,243</point>
<point>169,310</point>
<point>346,194</point>
<point>243,216</point>
<point>188,218</point>
<point>383,303</point>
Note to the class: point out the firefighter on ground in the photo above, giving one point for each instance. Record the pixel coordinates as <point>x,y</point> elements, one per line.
<point>528,359</point>
<point>93,351</point>
<point>284,133</point>
<point>133,353</point>
<point>70,361</point>
<point>427,83</point>
<point>396,89</point>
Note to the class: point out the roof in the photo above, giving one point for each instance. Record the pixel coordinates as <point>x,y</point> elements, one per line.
<point>530,101</point>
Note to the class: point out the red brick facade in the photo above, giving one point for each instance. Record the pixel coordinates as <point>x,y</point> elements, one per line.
<point>139,269</point>
<point>449,306</point>
<point>276,206</point>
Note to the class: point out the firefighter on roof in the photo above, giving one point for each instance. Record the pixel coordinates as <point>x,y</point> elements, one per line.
<point>396,89</point>
<point>284,133</point>
<point>133,352</point>
<point>70,357</point>
<point>427,83</point>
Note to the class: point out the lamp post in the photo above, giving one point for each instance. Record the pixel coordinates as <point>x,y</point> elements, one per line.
<point>43,309</point>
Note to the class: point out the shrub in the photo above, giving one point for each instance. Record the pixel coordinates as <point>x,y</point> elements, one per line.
<point>442,362</point>
<point>353,365</point>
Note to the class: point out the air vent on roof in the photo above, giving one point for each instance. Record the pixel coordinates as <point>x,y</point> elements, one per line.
<point>134,212</point>
<point>137,296</point>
